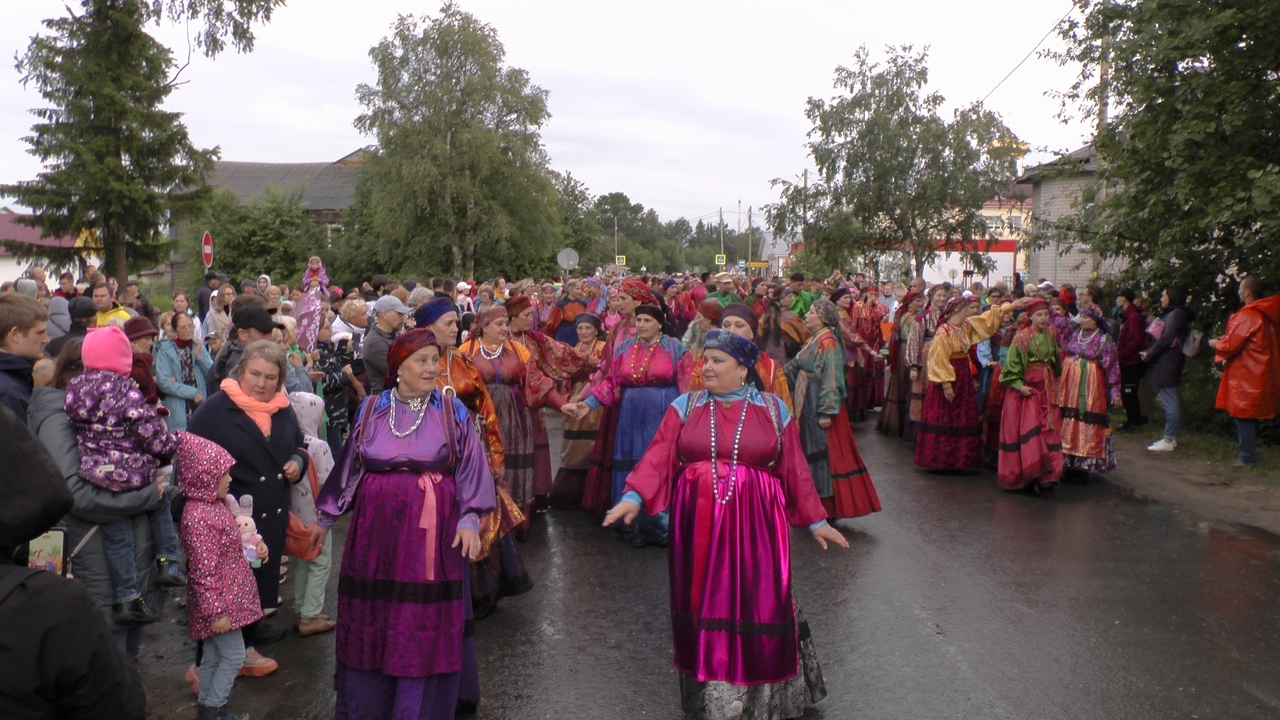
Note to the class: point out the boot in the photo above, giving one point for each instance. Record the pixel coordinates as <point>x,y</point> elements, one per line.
<point>170,574</point>
<point>204,712</point>
<point>132,613</point>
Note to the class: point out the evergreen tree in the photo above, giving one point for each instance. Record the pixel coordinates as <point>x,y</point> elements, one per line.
<point>116,163</point>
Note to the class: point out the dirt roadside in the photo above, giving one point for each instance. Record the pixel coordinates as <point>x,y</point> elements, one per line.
<point>1211,489</point>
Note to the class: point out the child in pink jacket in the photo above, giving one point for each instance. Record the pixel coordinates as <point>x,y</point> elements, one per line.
<point>222,596</point>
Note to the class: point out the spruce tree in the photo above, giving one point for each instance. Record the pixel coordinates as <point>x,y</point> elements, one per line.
<point>115,163</point>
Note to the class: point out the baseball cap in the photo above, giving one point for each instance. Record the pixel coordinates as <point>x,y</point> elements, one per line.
<point>254,316</point>
<point>463,286</point>
<point>391,302</point>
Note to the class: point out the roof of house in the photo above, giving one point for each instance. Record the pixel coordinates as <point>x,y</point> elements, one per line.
<point>320,186</point>
<point>1085,161</point>
<point>13,231</point>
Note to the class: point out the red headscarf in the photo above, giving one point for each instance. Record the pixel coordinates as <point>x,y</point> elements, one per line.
<point>711,310</point>
<point>905,304</point>
<point>639,292</point>
<point>488,315</point>
<point>517,305</point>
<point>404,346</point>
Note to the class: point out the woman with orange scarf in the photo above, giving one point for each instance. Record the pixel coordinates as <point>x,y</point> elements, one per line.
<point>1031,422</point>
<point>251,417</point>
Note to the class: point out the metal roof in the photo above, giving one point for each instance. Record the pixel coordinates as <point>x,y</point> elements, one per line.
<point>319,186</point>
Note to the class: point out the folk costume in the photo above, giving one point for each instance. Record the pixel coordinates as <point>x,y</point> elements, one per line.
<point>1090,383</point>
<point>1031,426</point>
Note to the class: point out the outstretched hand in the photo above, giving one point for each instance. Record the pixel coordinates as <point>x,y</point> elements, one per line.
<point>625,511</point>
<point>828,534</point>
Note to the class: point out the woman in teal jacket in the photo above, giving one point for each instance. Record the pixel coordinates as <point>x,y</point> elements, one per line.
<point>181,366</point>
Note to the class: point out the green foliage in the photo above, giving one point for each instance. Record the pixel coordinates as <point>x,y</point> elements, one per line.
<point>215,20</point>
<point>116,163</point>
<point>271,235</point>
<point>894,175</point>
<point>459,184</point>
<point>1189,157</point>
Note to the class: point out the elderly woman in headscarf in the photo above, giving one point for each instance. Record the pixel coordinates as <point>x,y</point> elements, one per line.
<point>893,416</point>
<point>741,320</point>
<point>707,319</point>
<point>641,380</point>
<point>857,353</point>
<point>782,331</point>
<point>1030,422</point>
<point>499,570</point>
<point>565,313</point>
<point>917,354</point>
<point>1090,383</point>
<point>519,389</point>
<point>579,433</point>
<point>414,476</point>
<point>949,436</point>
<point>728,463</point>
<point>598,493</point>
<point>816,376</point>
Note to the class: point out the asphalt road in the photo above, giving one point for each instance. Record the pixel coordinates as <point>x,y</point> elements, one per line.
<point>956,601</point>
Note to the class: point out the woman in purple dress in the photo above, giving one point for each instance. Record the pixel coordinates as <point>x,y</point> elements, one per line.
<point>310,309</point>
<point>728,464</point>
<point>413,475</point>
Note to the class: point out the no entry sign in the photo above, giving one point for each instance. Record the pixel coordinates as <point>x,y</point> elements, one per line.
<point>206,250</point>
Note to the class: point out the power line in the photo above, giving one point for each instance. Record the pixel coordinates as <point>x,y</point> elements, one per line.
<point>1028,57</point>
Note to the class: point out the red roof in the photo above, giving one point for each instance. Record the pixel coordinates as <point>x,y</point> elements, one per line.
<point>13,231</point>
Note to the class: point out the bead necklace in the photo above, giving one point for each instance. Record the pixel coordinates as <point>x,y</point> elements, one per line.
<point>1086,340</point>
<point>487,353</point>
<point>653,348</point>
<point>733,460</point>
<point>418,405</point>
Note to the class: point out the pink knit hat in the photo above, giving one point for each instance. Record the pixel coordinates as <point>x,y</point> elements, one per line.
<point>107,348</point>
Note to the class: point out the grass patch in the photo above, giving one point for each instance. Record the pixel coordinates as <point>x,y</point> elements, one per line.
<point>1210,447</point>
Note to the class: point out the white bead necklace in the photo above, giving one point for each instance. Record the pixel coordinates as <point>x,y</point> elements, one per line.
<point>487,353</point>
<point>731,480</point>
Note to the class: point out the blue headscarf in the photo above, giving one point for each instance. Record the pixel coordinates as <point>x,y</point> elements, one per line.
<point>746,352</point>
<point>432,311</point>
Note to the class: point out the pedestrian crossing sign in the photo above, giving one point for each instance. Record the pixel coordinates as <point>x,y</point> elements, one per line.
<point>720,260</point>
<point>620,260</point>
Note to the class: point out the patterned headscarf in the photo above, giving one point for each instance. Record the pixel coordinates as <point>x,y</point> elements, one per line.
<point>488,315</point>
<point>404,346</point>
<point>739,348</point>
<point>955,305</point>
<point>639,292</point>
<point>827,313</point>
<point>1093,312</point>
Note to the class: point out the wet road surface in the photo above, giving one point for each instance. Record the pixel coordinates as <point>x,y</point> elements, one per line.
<point>956,601</point>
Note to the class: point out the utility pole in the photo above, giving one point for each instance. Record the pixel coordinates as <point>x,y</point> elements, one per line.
<point>615,236</point>
<point>748,240</point>
<point>721,231</point>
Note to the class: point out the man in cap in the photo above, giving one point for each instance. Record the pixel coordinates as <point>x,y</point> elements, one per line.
<point>210,286</point>
<point>388,313</point>
<point>84,315</point>
<point>725,293</point>
<point>57,656</point>
<point>252,323</point>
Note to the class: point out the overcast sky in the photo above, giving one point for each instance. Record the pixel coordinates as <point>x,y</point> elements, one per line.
<point>685,106</point>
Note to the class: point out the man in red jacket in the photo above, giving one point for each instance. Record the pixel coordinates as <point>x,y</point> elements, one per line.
<point>1250,388</point>
<point>1131,343</point>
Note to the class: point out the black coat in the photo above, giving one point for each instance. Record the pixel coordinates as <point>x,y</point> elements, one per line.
<point>1165,355</point>
<point>258,472</point>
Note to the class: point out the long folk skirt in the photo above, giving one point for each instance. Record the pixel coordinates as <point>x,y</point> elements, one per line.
<point>518,425</point>
<point>1086,424</point>
<point>405,646</point>
<point>575,457</point>
<point>1030,434</point>
<point>500,570</point>
<point>991,411</point>
<point>839,474</point>
<point>639,415</point>
<point>858,399</point>
<point>893,415</point>
<point>949,435</point>
<point>597,494</point>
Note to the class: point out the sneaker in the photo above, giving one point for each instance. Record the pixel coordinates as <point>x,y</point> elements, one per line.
<point>315,626</point>
<point>255,665</point>
<point>1163,445</point>
<point>1241,465</point>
